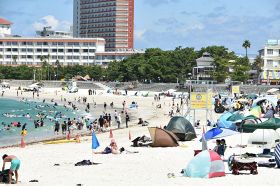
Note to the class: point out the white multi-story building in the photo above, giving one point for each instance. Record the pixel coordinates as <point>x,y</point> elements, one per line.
<point>5,27</point>
<point>271,62</point>
<point>68,51</point>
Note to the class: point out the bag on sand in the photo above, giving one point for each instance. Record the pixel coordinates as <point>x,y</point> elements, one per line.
<point>4,176</point>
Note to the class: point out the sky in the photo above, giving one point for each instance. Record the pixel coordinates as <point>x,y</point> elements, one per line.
<point>166,23</point>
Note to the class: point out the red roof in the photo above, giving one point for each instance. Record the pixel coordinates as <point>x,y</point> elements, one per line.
<point>5,22</point>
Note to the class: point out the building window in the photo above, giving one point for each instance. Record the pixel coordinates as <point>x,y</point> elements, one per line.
<point>54,57</point>
<point>76,50</point>
<point>39,50</point>
<point>39,43</point>
<point>60,50</point>
<point>70,50</point>
<point>270,51</point>
<point>76,57</point>
<point>8,56</point>
<point>73,44</point>
<point>1,43</point>
<point>85,50</point>
<point>29,57</point>
<point>29,50</point>
<point>23,57</point>
<point>14,43</point>
<point>24,49</point>
<point>8,49</point>
<point>91,50</point>
<point>45,50</point>
<point>54,50</point>
<point>85,57</point>
<point>60,57</point>
<point>14,49</point>
<point>69,57</point>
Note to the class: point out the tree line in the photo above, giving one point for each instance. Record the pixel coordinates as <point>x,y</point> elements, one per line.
<point>154,65</point>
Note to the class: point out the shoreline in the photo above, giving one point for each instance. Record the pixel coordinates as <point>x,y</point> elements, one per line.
<point>59,100</point>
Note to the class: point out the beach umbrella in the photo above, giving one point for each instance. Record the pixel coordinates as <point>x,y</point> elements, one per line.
<point>225,133</point>
<point>95,142</point>
<point>206,164</point>
<point>272,100</point>
<point>210,134</point>
<point>216,133</point>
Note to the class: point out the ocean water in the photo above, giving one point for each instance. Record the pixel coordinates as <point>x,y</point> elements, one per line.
<point>17,111</point>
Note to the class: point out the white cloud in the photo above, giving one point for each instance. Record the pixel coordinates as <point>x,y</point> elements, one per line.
<point>50,20</point>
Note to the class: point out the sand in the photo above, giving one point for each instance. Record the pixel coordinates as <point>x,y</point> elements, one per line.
<point>148,167</point>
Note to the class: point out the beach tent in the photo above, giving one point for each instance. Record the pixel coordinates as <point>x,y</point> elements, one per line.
<point>224,123</point>
<point>206,164</point>
<point>182,128</point>
<point>272,123</point>
<point>256,111</point>
<point>236,116</point>
<point>272,100</point>
<point>162,138</point>
<point>215,133</point>
<point>265,138</point>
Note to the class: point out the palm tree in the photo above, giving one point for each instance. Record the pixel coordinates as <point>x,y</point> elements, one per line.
<point>246,44</point>
<point>48,57</point>
<point>57,66</point>
<point>14,60</point>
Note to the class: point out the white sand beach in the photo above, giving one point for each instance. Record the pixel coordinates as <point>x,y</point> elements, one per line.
<point>149,166</point>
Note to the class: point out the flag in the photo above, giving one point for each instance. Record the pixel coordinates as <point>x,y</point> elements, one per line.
<point>203,140</point>
<point>95,143</point>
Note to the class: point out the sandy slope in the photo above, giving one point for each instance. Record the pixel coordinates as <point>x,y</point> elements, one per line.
<point>148,167</point>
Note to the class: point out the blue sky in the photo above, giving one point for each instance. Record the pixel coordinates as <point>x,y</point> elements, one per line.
<point>167,23</point>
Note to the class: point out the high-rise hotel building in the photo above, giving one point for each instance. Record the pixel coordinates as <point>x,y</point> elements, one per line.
<point>112,20</point>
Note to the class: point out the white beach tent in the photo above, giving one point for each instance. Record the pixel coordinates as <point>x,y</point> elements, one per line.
<point>265,138</point>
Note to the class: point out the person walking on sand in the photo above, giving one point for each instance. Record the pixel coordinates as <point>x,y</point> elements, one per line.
<point>15,164</point>
<point>126,119</point>
<point>119,120</point>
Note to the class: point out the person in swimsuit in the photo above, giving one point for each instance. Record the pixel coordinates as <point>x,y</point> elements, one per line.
<point>15,165</point>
